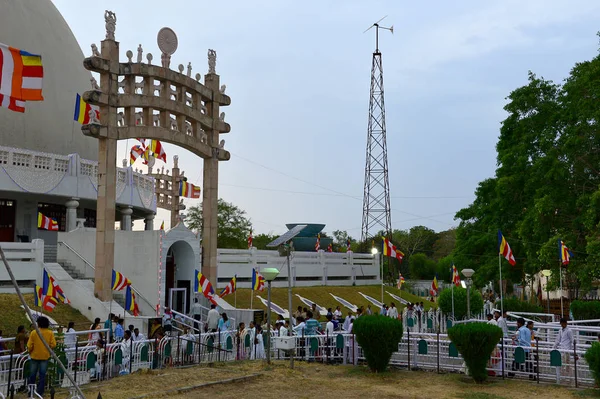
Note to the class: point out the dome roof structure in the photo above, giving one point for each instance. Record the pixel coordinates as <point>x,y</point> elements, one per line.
<point>38,27</point>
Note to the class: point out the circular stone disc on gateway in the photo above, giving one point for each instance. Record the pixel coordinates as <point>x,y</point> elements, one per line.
<point>167,41</point>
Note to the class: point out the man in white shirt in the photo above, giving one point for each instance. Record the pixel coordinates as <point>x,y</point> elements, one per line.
<point>212,320</point>
<point>393,311</point>
<point>491,320</point>
<point>137,335</point>
<point>283,329</point>
<point>347,322</point>
<point>329,326</point>
<point>501,320</point>
<point>564,343</point>
<point>337,314</point>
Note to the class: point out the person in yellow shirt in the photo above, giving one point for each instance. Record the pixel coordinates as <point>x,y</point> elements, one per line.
<point>39,354</point>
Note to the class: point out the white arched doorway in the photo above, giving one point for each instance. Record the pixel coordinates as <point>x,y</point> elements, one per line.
<point>179,274</point>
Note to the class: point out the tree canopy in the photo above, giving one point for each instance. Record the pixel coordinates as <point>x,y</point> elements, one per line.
<point>546,185</point>
<point>233,225</point>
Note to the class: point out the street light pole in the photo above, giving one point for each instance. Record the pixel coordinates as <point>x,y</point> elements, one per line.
<point>468,273</point>
<point>269,274</point>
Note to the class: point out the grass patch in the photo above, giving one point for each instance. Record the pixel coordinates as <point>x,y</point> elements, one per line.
<point>321,296</point>
<point>307,379</point>
<point>13,315</point>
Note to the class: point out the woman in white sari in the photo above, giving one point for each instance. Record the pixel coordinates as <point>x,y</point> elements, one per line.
<point>258,348</point>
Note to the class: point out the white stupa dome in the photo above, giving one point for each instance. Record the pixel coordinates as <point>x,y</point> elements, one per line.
<point>37,26</point>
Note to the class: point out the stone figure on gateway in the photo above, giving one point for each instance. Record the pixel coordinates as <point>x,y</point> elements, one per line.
<point>111,24</point>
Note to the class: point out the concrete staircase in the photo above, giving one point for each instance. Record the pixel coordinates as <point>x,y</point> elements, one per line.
<point>73,271</point>
<point>50,253</point>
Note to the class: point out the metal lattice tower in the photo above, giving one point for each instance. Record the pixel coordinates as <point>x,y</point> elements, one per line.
<point>376,200</point>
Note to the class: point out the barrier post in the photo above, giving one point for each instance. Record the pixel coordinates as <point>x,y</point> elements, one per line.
<point>438,351</point>
<point>575,359</point>
<point>537,359</point>
<point>408,339</point>
<point>10,366</point>
<point>75,366</point>
<point>502,357</point>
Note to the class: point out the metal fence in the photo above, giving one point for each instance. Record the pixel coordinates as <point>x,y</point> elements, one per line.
<point>88,362</point>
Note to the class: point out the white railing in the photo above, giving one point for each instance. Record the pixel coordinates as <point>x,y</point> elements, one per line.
<point>307,268</point>
<point>88,268</point>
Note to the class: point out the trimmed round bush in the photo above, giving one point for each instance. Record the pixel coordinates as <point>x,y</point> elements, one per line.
<point>592,357</point>
<point>516,305</point>
<point>585,310</point>
<point>378,336</point>
<point>460,302</point>
<point>475,342</point>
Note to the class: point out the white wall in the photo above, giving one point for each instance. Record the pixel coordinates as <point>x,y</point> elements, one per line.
<point>136,256</point>
<point>308,268</point>
<point>26,261</point>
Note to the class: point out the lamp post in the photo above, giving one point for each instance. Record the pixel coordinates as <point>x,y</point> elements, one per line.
<point>468,273</point>
<point>269,274</point>
<point>374,252</point>
<point>547,274</point>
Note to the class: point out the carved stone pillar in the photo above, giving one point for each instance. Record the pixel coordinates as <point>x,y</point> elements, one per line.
<point>149,221</point>
<point>72,205</point>
<point>126,218</point>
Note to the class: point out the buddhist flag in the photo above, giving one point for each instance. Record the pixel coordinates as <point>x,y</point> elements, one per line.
<point>565,253</point>
<point>389,249</point>
<point>47,284</point>
<point>258,281</point>
<point>49,303</point>
<point>250,240</point>
<point>505,250</point>
<point>136,152</point>
<point>82,111</point>
<point>203,285</point>
<point>231,287</point>
<point>162,225</point>
<point>188,190</point>
<point>157,149</point>
<point>400,281</point>
<point>46,223</point>
<point>119,281</point>
<point>455,276</point>
<point>130,303</point>
<point>318,244</point>
<point>38,297</point>
<point>12,103</point>
<point>21,75</point>
<point>434,286</point>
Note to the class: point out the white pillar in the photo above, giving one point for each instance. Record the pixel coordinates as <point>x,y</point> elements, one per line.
<point>126,218</point>
<point>149,221</point>
<point>72,205</point>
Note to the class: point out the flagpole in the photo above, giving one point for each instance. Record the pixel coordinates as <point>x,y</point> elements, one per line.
<point>501,283</point>
<point>251,297</point>
<point>235,298</point>
<point>561,288</point>
<point>453,299</point>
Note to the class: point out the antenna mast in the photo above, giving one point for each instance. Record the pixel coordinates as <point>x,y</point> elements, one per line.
<point>376,199</point>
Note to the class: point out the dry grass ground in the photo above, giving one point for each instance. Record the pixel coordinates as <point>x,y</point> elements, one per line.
<point>13,315</point>
<point>314,380</point>
<point>321,296</point>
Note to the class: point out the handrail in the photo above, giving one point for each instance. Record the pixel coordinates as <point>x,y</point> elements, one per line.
<point>137,293</point>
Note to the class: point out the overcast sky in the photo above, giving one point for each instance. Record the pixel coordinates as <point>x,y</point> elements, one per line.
<point>298,74</point>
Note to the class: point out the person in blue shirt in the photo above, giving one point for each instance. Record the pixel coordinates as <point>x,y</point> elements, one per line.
<point>119,331</point>
<point>312,326</point>
<point>523,340</point>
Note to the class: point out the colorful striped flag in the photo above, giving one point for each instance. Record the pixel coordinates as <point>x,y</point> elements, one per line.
<point>250,240</point>
<point>21,74</point>
<point>130,303</point>
<point>318,244</point>
<point>162,225</point>
<point>157,149</point>
<point>12,103</point>
<point>434,286</point>
<point>258,281</point>
<point>455,276</point>
<point>230,288</point>
<point>330,248</point>
<point>51,288</point>
<point>505,250</point>
<point>136,152</point>
<point>82,111</point>
<point>49,303</point>
<point>38,297</point>
<point>400,281</point>
<point>188,190</point>
<point>348,245</point>
<point>119,281</point>
<point>390,250</point>
<point>564,253</point>
<point>46,223</point>
<point>203,285</point>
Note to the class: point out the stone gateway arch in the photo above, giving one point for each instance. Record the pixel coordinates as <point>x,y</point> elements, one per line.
<point>153,102</point>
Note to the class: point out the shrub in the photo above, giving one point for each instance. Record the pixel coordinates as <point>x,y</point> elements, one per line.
<point>585,310</point>
<point>516,305</point>
<point>475,342</point>
<point>379,337</point>
<point>460,302</point>
<point>592,357</point>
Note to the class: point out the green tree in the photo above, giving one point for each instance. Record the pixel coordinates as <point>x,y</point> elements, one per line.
<point>475,342</point>
<point>232,223</point>
<point>260,241</point>
<point>421,267</point>
<point>379,337</point>
<point>460,302</point>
